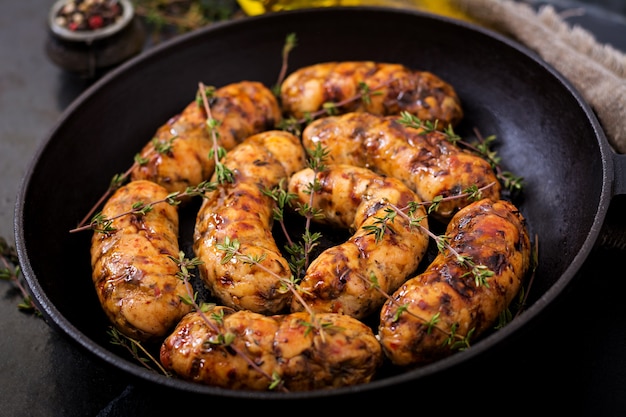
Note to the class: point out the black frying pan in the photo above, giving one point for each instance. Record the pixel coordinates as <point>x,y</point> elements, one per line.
<point>546,133</point>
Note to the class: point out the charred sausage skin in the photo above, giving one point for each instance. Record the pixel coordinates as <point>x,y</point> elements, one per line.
<point>241,109</point>
<point>425,161</point>
<point>338,351</point>
<point>340,279</point>
<point>490,233</point>
<point>240,210</point>
<point>134,276</point>
<point>394,88</point>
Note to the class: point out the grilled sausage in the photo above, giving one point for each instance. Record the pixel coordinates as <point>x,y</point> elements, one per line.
<point>242,109</point>
<point>240,210</point>
<point>134,277</point>
<point>338,351</point>
<point>340,278</point>
<point>394,88</point>
<point>425,161</point>
<point>492,234</point>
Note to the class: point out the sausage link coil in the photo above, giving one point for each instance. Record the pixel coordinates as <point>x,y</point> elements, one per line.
<point>340,278</point>
<point>394,89</point>
<point>242,109</point>
<point>425,161</point>
<point>492,234</point>
<point>344,352</point>
<point>134,277</point>
<point>240,210</point>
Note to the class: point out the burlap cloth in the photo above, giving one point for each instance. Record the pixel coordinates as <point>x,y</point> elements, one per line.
<point>597,71</point>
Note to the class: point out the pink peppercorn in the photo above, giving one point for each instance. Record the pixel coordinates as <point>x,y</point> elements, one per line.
<point>96,22</point>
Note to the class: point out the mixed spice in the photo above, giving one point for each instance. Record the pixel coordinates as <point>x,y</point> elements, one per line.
<point>85,15</point>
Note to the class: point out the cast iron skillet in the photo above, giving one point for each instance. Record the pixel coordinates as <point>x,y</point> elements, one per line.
<point>545,133</point>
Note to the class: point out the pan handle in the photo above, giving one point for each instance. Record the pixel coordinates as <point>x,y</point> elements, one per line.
<point>613,233</point>
<point>619,187</point>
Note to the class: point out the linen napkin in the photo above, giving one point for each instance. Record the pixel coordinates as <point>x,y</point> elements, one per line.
<point>597,71</point>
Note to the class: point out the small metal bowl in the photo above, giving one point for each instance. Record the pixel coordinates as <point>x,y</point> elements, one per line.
<point>89,53</point>
<point>128,12</point>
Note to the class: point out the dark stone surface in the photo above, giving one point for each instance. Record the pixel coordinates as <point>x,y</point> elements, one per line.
<point>572,362</point>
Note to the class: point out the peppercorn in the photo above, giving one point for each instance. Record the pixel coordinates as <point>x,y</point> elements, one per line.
<point>84,15</point>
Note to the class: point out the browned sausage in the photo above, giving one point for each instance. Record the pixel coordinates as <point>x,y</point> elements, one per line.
<point>241,109</point>
<point>340,278</point>
<point>134,277</point>
<point>394,89</point>
<point>339,351</point>
<point>426,162</point>
<point>491,234</point>
<point>240,210</point>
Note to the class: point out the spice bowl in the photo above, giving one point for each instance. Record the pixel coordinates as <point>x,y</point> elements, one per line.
<point>88,37</point>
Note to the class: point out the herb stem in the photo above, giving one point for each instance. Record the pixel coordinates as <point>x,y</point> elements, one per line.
<point>11,271</point>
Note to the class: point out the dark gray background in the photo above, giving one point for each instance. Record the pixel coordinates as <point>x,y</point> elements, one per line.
<point>44,374</point>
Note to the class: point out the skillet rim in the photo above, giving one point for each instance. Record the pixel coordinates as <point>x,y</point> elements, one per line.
<point>58,321</point>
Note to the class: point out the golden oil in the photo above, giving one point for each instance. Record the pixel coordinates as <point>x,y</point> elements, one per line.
<point>442,7</point>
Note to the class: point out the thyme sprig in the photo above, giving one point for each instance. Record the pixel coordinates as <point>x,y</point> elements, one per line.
<point>472,193</point>
<point>232,249</point>
<point>510,181</point>
<point>483,148</point>
<point>222,172</point>
<point>480,273</point>
<point>316,161</point>
<point>282,199</point>
<point>102,224</point>
<point>291,41</point>
<point>11,271</point>
<point>159,147</point>
<point>136,349</point>
<point>300,252</point>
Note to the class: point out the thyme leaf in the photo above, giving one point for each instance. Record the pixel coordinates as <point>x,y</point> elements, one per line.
<point>11,271</point>
<point>137,350</point>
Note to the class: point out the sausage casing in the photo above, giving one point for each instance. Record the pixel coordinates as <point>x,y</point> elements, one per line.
<point>492,234</point>
<point>240,210</point>
<point>241,109</point>
<point>134,276</point>
<point>425,161</point>
<point>339,351</point>
<point>340,278</point>
<point>394,89</point>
